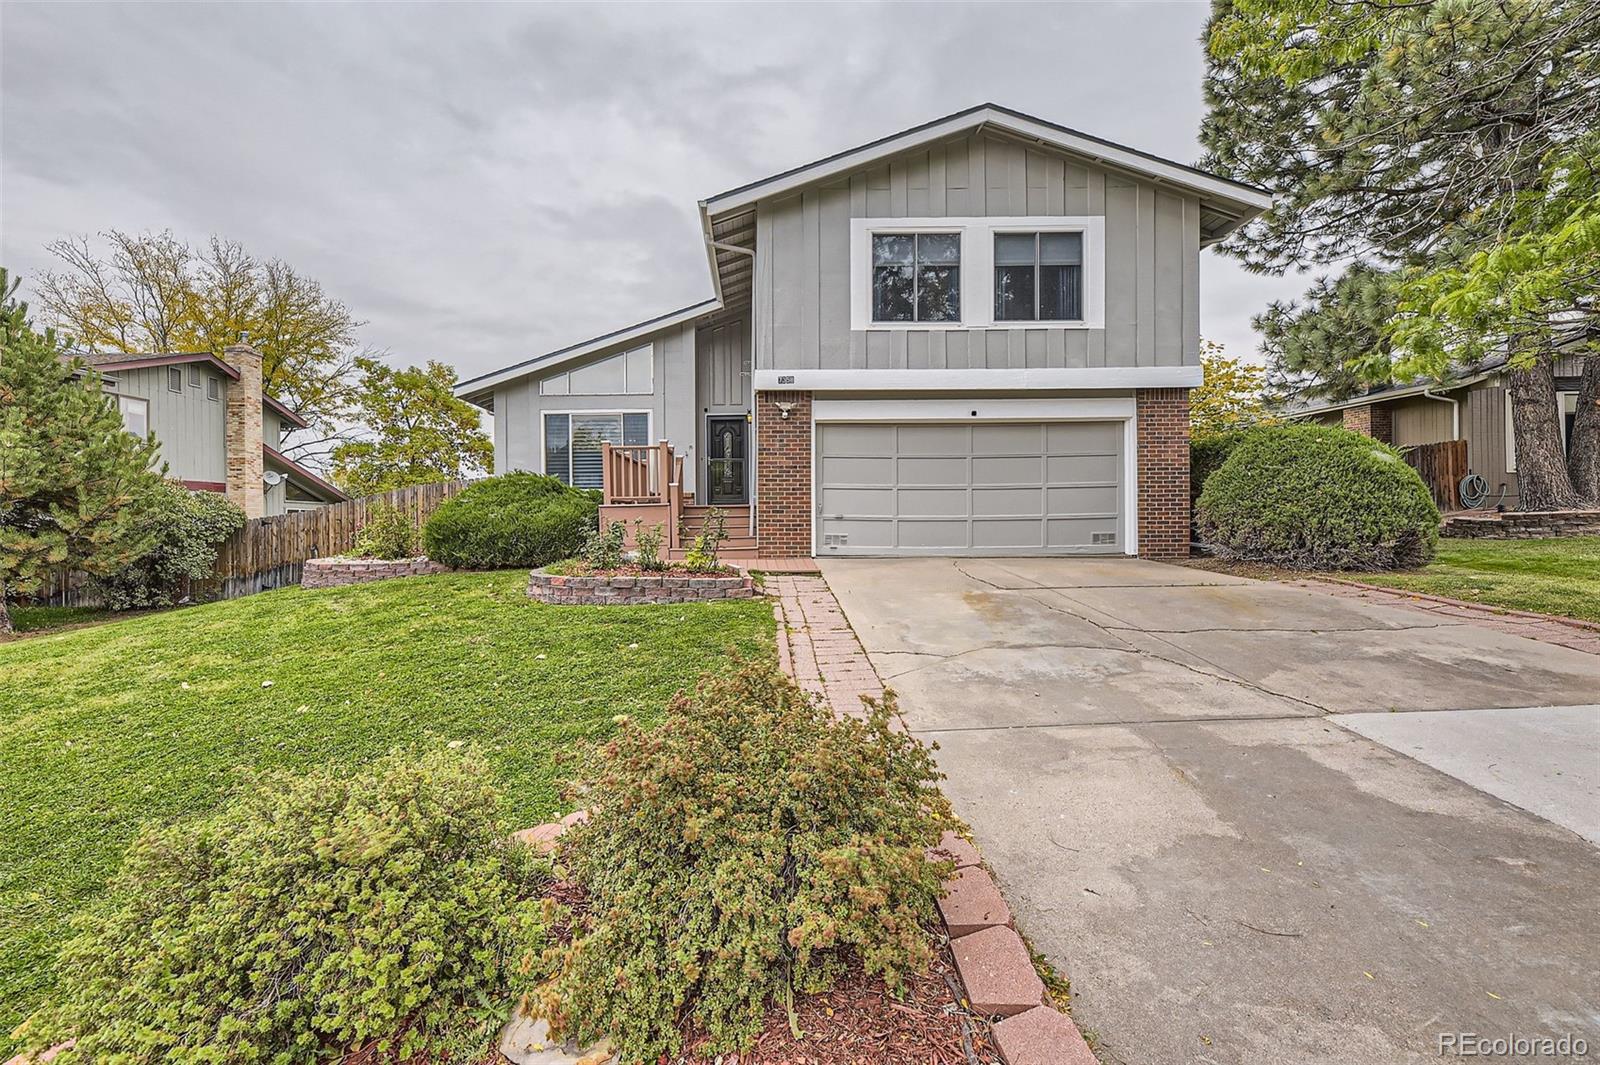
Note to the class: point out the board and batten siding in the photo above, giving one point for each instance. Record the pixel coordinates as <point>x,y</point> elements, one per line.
<point>188,425</point>
<point>519,409</point>
<point>802,298</point>
<point>1423,421</point>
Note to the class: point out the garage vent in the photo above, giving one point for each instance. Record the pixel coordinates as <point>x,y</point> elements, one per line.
<point>1103,538</point>
<point>835,539</point>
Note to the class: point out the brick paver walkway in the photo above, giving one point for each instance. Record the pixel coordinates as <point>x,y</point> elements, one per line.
<point>1578,635</point>
<point>816,645</point>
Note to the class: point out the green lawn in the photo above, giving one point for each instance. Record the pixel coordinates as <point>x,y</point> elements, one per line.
<point>103,726</point>
<point>38,618</point>
<point>1548,576</point>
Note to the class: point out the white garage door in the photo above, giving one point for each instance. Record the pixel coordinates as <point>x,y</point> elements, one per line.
<point>969,489</point>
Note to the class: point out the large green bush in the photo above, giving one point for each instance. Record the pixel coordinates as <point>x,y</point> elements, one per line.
<point>389,533</point>
<point>1207,453</point>
<point>742,850</point>
<point>519,519</point>
<point>312,915</point>
<point>1316,497</point>
<point>184,529</point>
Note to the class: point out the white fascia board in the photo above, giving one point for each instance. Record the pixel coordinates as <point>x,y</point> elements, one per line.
<point>588,347</point>
<point>1096,151</point>
<point>1074,377</point>
<point>1090,409</point>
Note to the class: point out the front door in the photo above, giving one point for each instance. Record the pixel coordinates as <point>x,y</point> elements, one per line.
<point>725,460</point>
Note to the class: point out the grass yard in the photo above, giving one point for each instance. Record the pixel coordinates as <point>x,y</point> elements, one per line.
<point>40,618</point>
<point>103,726</point>
<point>1547,576</point>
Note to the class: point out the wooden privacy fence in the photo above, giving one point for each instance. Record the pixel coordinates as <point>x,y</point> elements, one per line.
<point>270,552</point>
<point>1441,467</point>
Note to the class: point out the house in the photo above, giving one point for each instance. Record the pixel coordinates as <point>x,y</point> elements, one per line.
<point>218,430</point>
<point>974,337</point>
<point>1473,406</point>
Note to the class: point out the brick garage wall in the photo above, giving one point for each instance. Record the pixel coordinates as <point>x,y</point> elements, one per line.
<point>1163,417</point>
<point>1371,420</point>
<point>783,475</point>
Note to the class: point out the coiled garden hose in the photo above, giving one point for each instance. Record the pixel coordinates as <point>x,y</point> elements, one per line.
<point>1474,491</point>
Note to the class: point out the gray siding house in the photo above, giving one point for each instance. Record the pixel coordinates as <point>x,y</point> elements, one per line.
<point>976,336</point>
<point>218,431</point>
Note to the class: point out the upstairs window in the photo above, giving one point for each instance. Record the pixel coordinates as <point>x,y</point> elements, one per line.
<point>135,415</point>
<point>213,389</point>
<point>174,379</point>
<point>916,277</point>
<point>1038,277</point>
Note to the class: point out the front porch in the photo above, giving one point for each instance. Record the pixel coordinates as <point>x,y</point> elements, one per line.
<point>643,486</point>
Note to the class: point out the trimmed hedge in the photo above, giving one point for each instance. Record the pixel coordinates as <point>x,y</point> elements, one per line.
<point>1208,453</point>
<point>1318,498</point>
<point>512,521</point>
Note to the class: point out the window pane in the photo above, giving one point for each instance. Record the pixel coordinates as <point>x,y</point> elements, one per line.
<point>892,293</point>
<point>893,249</point>
<point>213,388</point>
<point>557,454</point>
<point>554,386</point>
<point>174,379</point>
<point>636,429</point>
<point>135,415</point>
<point>939,294</point>
<point>641,370</point>
<point>939,248</point>
<point>1014,249</point>
<point>1013,293</point>
<point>589,431</point>
<point>1061,249</point>
<point>1060,293</point>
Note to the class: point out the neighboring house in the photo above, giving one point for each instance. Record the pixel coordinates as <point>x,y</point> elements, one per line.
<point>973,337</point>
<point>218,430</point>
<point>1473,406</point>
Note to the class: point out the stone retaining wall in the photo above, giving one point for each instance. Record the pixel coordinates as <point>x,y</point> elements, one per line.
<point>1523,525</point>
<point>631,591</point>
<point>338,572</point>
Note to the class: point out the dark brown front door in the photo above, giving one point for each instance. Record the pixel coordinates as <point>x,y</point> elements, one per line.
<point>725,451</point>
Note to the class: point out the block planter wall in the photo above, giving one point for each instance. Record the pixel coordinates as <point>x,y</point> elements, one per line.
<point>1523,525</point>
<point>338,572</point>
<point>638,590</point>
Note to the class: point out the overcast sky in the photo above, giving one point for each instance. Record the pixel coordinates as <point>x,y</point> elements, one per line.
<point>482,183</point>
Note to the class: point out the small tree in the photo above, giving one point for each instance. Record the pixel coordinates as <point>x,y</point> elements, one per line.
<point>70,476</point>
<point>1230,397</point>
<point>422,433</point>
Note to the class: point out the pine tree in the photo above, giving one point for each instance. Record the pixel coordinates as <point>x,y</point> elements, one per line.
<point>71,477</point>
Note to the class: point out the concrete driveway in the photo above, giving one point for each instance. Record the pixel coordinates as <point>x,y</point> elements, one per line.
<point>1213,802</point>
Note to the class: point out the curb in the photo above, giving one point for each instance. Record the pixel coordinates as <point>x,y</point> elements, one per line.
<point>996,967</point>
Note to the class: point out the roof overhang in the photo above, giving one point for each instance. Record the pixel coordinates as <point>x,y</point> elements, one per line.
<point>292,417</point>
<point>307,480</point>
<point>1402,392</point>
<point>480,390</point>
<point>176,359</point>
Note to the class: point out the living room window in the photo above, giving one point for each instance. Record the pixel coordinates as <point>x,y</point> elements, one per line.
<point>1038,277</point>
<point>573,442</point>
<point>916,277</point>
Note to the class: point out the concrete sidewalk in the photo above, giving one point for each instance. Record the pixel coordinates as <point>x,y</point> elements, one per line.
<point>1147,758</point>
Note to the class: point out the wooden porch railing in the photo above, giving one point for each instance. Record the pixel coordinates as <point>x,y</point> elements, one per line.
<point>644,475</point>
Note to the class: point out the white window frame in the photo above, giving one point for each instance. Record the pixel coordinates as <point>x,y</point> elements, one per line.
<point>213,388</point>
<point>566,375</point>
<point>977,267</point>
<point>544,455</point>
<point>1566,403</point>
<point>175,373</point>
<point>144,404</point>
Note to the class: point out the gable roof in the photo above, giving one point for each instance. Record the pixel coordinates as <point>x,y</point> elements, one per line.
<point>113,361</point>
<point>307,479</point>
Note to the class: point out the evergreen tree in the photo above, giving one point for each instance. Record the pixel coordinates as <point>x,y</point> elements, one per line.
<point>1334,343</point>
<point>71,478</point>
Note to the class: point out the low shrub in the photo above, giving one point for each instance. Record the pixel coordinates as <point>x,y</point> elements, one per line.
<point>602,548</point>
<point>389,533</point>
<point>741,851</point>
<point>516,520</point>
<point>702,554</point>
<point>648,539</point>
<point>1315,497</point>
<point>185,531</point>
<point>310,916</point>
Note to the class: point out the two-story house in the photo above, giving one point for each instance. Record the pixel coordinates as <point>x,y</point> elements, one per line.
<point>972,337</point>
<point>218,430</point>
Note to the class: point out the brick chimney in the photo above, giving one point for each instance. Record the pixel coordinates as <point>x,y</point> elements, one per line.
<point>245,463</point>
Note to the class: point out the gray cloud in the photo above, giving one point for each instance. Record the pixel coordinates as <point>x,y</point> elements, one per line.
<point>485,182</point>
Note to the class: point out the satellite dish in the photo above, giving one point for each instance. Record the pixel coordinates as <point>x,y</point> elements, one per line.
<point>273,478</point>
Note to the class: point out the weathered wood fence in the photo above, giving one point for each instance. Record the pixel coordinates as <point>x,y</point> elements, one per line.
<point>269,552</point>
<point>1441,467</point>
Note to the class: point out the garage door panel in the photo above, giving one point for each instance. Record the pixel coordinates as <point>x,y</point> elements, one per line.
<point>945,471</point>
<point>957,488</point>
<point>856,471</point>
<point>1016,534</point>
<point>1085,469</point>
<point>1008,502</point>
<point>1015,469</point>
<point>934,440</point>
<point>932,502</point>
<point>1094,499</point>
<point>858,502</point>
<point>946,535</point>
<point>1007,439</point>
<point>1083,438</point>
